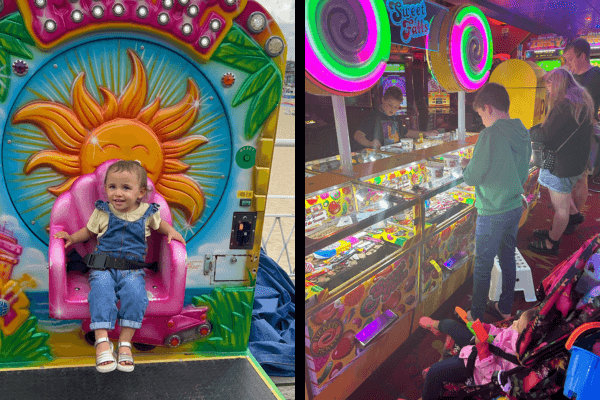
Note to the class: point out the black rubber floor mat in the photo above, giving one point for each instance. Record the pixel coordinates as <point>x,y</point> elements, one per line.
<point>220,379</point>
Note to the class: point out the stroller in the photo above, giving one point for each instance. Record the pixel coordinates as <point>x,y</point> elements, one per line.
<point>542,356</point>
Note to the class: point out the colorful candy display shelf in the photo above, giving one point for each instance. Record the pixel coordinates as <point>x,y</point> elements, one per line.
<point>448,244</point>
<point>361,259</point>
<point>334,163</point>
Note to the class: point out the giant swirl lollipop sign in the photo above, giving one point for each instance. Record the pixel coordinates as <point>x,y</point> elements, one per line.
<point>464,58</point>
<point>347,44</point>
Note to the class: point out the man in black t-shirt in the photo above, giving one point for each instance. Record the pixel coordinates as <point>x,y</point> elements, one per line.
<point>382,127</point>
<point>577,60</point>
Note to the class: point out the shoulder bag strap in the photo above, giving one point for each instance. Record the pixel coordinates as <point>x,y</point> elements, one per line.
<point>579,127</point>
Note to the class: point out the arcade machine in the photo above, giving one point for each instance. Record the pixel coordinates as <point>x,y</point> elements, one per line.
<point>593,39</point>
<point>524,82</point>
<point>395,75</point>
<point>546,51</point>
<point>191,90</point>
<point>440,112</point>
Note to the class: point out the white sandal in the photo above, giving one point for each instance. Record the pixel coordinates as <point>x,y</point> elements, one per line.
<point>123,357</point>
<point>106,355</point>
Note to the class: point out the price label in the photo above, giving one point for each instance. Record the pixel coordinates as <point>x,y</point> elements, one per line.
<point>436,265</point>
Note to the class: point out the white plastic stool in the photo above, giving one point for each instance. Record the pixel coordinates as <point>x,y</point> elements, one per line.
<point>524,279</point>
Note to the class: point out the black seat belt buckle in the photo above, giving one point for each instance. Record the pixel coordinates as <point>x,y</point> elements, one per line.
<point>98,261</point>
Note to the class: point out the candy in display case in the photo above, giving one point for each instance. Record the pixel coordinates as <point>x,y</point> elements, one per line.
<point>361,278</point>
<point>351,227</point>
<point>405,145</point>
<point>334,163</point>
<point>401,178</point>
<point>448,215</point>
<point>332,332</point>
<point>427,143</point>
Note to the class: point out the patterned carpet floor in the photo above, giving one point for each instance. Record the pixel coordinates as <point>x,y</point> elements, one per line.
<point>400,375</point>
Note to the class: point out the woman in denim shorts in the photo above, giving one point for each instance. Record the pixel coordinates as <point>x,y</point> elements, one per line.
<point>567,131</point>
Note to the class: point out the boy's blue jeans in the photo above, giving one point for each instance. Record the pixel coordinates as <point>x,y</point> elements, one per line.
<point>495,235</point>
<point>109,286</point>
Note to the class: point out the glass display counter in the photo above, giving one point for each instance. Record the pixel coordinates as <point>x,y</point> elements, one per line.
<point>448,219</point>
<point>334,163</point>
<point>361,263</point>
<point>407,145</point>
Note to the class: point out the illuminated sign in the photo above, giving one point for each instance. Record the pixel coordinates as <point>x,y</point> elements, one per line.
<point>394,68</point>
<point>549,65</point>
<point>410,21</point>
<point>409,17</point>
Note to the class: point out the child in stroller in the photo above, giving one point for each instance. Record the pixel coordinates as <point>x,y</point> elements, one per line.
<point>476,362</point>
<point>541,349</point>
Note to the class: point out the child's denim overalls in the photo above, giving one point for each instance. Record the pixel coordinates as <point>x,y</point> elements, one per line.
<point>122,239</point>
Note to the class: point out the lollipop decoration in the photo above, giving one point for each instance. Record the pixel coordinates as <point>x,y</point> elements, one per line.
<point>347,44</point>
<point>464,58</point>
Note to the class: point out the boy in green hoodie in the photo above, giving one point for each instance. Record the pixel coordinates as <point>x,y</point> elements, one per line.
<point>498,170</point>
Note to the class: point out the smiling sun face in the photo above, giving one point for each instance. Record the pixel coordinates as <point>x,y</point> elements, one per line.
<point>89,134</point>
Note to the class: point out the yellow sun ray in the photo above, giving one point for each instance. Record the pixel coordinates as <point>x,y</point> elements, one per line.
<point>63,187</point>
<point>175,167</point>
<point>184,193</point>
<point>86,108</point>
<point>62,163</point>
<point>147,113</point>
<point>60,94</point>
<point>36,93</point>
<point>92,69</point>
<point>54,119</point>
<point>134,95</point>
<point>179,148</point>
<point>39,205</point>
<point>110,107</point>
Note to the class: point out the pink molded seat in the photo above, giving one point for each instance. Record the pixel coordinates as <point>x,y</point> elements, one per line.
<point>68,291</point>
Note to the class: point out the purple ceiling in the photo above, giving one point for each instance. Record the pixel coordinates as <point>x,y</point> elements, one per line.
<point>563,17</point>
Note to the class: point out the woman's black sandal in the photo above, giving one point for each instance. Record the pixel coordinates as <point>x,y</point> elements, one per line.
<point>574,221</point>
<point>541,234</point>
<point>540,246</point>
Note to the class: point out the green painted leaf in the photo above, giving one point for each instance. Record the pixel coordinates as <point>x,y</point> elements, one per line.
<point>40,352</point>
<point>237,36</point>
<point>262,106</point>
<point>16,30</point>
<point>29,324</point>
<point>238,315</point>
<point>4,75</point>
<point>240,57</point>
<point>24,347</point>
<point>215,339</point>
<point>253,84</point>
<point>16,16</point>
<point>14,46</point>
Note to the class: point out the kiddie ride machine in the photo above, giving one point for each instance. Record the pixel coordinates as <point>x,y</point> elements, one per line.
<point>189,88</point>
